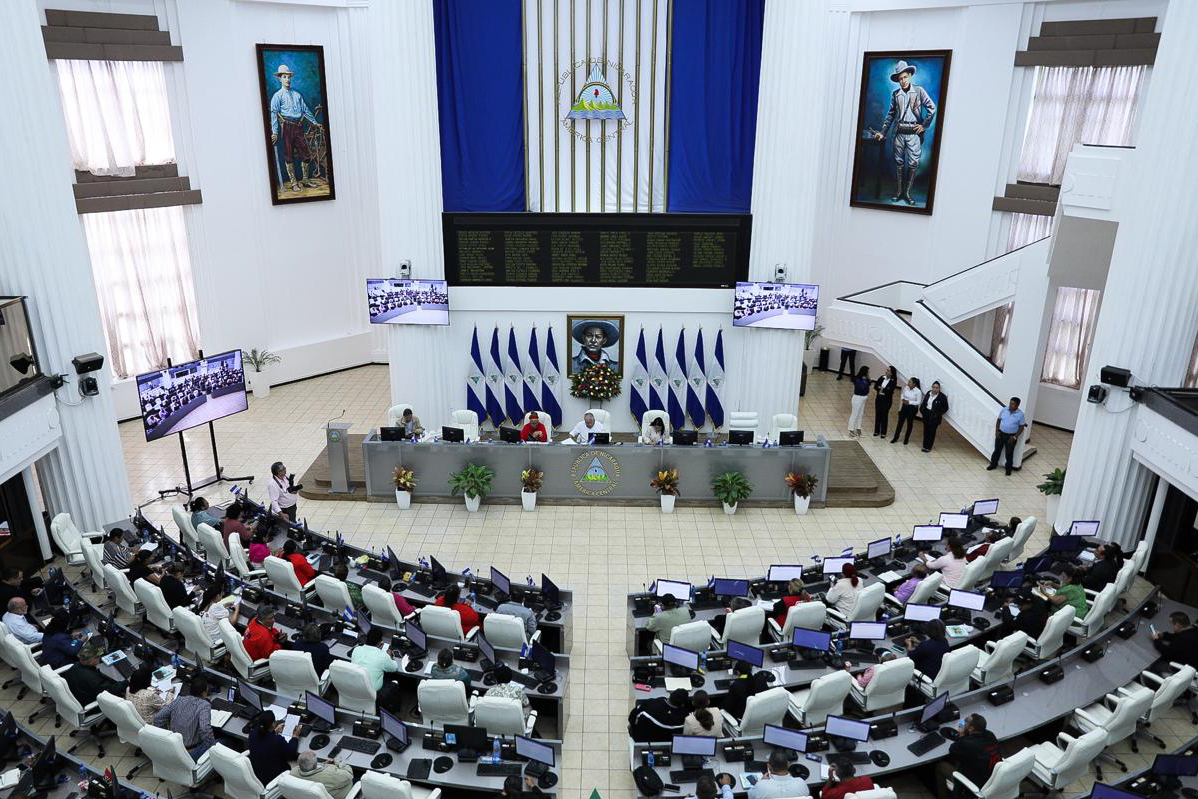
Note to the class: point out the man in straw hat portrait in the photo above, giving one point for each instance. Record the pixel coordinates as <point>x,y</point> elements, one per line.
<point>287,114</point>
<point>594,340</point>
<point>910,115</point>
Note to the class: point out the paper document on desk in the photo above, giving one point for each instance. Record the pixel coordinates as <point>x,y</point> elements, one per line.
<point>220,718</point>
<point>764,603</point>
<point>889,576</point>
<point>1013,610</point>
<point>290,722</point>
<point>113,657</point>
<point>1087,555</point>
<point>823,771</point>
<point>428,668</point>
<point>10,778</point>
<point>149,546</point>
<point>279,711</point>
<point>674,683</point>
<point>958,630</point>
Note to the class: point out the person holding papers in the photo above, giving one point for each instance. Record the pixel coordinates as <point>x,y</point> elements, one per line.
<point>191,717</point>
<point>270,753</point>
<point>952,563</point>
<point>534,430</point>
<point>776,782</point>
<point>372,655</point>
<point>146,701</point>
<point>588,427</point>
<point>214,608</point>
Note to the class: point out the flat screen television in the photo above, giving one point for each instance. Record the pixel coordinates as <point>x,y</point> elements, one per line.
<point>190,394</point>
<point>392,301</point>
<point>790,306</point>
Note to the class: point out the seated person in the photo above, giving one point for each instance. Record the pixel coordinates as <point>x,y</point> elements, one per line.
<point>339,571</point>
<point>588,427</point>
<point>864,677</point>
<point>656,432</point>
<point>261,637</point>
<point>1108,561</point>
<point>928,654</point>
<point>59,647</point>
<point>515,787</point>
<point>1070,592</point>
<point>659,719</point>
<point>981,549</point>
<point>85,679</point>
<point>402,605</point>
<point>703,720</point>
<point>843,780</point>
<point>270,753</point>
<point>258,550</point>
<point>1025,612</point>
<point>14,585</point>
<point>843,594</point>
<point>173,590</point>
<point>521,612</point>
<point>214,607</point>
<point>534,430</point>
<point>919,573</point>
<point>952,563</point>
<point>446,669</point>
<point>410,423</point>
<point>17,622</point>
<point>672,614</point>
<point>115,551</point>
<point>372,655</point>
<point>744,684</point>
<point>336,778</point>
<point>1180,644</point>
<point>707,787</point>
<point>738,603</point>
<point>452,598</point>
<point>507,687</point>
<point>795,593</point>
<point>303,569</point>
<point>146,701</point>
<point>140,569</point>
<point>232,525</point>
<point>776,782</point>
<point>201,515</point>
<point>309,641</point>
<point>190,715</point>
<point>974,754</point>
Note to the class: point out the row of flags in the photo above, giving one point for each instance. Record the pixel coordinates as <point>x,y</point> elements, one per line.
<point>687,385</point>
<point>499,387</point>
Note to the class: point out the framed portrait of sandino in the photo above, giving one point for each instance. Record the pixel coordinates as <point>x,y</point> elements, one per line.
<point>295,113</point>
<point>899,127</point>
<point>594,339</point>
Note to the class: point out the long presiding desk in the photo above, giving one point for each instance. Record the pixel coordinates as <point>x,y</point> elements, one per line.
<point>605,473</point>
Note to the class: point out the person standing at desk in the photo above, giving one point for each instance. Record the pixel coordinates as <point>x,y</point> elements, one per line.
<point>1007,427</point>
<point>84,678</point>
<point>261,637</point>
<point>191,716</point>
<point>18,624</point>
<point>952,563</point>
<point>928,654</point>
<point>861,386</point>
<point>173,590</point>
<point>1180,644</point>
<point>843,594</point>
<point>974,754</point>
<point>115,552</point>
<point>588,427</point>
<point>934,405</point>
<point>452,598</point>
<point>842,781</point>
<point>283,493</point>
<point>776,782</point>
<point>270,752</point>
<point>303,569</point>
<point>672,614</point>
<point>910,398</point>
<point>336,778</point>
<point>534,430</point>
<point>884,388</point>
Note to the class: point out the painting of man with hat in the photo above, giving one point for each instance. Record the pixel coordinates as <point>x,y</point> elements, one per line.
<point>905,91</point>
<point>596,339</point>
<point>295,107</point>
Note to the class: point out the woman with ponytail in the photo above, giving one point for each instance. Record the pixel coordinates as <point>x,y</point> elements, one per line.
<point>843,595</point>
<point>703,720</point>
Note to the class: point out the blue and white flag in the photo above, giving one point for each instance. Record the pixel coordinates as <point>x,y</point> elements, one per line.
<point>659,388</point>
<point>696,384</point>
<point>713,400</point>
<point>638,400</point>
<point>513,379</point>
<point>550,377</point>
<point>495,381</point>
<point>677,380</point>
<point>532,376</point>
<point>476,381</point>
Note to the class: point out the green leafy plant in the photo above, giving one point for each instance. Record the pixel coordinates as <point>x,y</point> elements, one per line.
<point>811,335</point>
<point>731,487</point>
<point>260,359</point>
<point>531,480</point>
<point>596,382</point>
<point>474,480</point>
<point>666,482</point>
<point>801,485</point>
<point>1053,483</point>
<point>404,479</point>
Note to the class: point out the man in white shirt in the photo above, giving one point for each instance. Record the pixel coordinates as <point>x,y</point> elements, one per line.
<point>588,427</point>
<point>284,494</point>
<point>18,625</point>
<point>777,782</point>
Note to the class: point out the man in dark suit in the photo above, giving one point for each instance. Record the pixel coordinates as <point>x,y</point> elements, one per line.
<point>974,754</point>
<point>933,408</point>
<point>1030,617</point>
<point>659,719</point>
<point>744,684</point>
<point>1181,644</point>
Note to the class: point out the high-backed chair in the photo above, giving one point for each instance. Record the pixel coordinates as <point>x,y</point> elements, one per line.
<point>1100,606</point>
<point>1123,581</point>
<point>294,674</point>
<point>502,715</point>
<point>443,623</point>
<point>1057,765</point>
<point>1020,537</point>
<point>506,631</point>
<point>468,421</point>
<point>443,702</point>
<point>241,562</point>
<point>694,635</point>
<point>187,531</point>
<point>382,608</point>
<point>281,574</point>
<point>601,416</point>
<point>196,636</point>
<point>69,539</point>
<point>292,787</point>
<point>886,689</point>
<point>810,706</point>
<point>969,578</point>
<point>743,420</point>
<point>1118,715</point>
<point>1053,636</point>
<point>806,615</point>
<point>1004,780</point>
<point>998,664</point>
<point>10,657</point>
<point>395,413</point>
<point>170,759</point>
<point>955,668</point>
<point>1139,556</point>
<point>238,774</point>
<point>125,718</point>
<point>122,592</point>
<point>215,551</point>
<point>93,556</point>
<point>647,419</point>
<point>768,707</point>
<point>869,599</point>
<point>925,591</point>
<point>27,665</point>
<point>997,552</point>
<point>333,593</point>
<point>80,718</point>
<point>377,785</point>
<point>782,423</point>
<point>251,670</point>
<point>873,793</point>
<point>355,691</point>
<point>1165,692</point>
<point>158,612</point>
<point>744,625</point>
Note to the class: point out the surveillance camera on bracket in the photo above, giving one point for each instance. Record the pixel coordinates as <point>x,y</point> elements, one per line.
<point>405,269</point>
<point>91,362</point>
<point>1097,394</point>
<point>1115,376</point>
<point>780,273</point>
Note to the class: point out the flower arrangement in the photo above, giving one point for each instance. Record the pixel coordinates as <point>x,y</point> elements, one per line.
<point>801,485</point>
<point>531,480</point>
<point>596,382</point>
<point>666,482</point>
<point>404,479</point>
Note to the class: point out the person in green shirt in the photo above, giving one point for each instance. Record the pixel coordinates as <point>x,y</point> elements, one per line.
<point>1071,592</point>
<point>671,615</point>
<point>340,572</point>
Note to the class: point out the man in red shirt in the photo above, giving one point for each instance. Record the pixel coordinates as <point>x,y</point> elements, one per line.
<point>534,430</point>
<point>261,637</point>
<point>303,569</point>
<point>981,549</point>
<point>842,782</point>
<point>452,599</point>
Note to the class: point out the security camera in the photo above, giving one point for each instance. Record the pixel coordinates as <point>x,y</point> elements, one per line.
<point>779,273</point>
<point>405,269</point>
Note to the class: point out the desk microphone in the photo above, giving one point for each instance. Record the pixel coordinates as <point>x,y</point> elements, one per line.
<point>335,418</point>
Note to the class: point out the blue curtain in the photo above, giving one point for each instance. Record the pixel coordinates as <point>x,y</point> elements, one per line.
<point>714,77</point>
<point>481,103</point>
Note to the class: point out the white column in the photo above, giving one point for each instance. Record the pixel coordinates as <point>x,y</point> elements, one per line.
<point>35,508</point>
<point>43,256</point>
<point>1149,313</point>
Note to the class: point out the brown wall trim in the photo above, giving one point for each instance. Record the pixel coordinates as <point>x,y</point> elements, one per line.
<point>101,19</point>
<point>152,171</point>
<point>1097,27</point>
<point>1033,191</point>
<point>55,33</point>
<point>1084,58</point>
<point>112,52</point>
<point>129,202</point>
<point>117,188</point>
<point>1019,206</point>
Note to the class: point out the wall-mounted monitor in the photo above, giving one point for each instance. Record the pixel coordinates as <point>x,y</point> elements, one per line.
<point>190,394</point>
<point>790,306</point>
<point>407,302</point>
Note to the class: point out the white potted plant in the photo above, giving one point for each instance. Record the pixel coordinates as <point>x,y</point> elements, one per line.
<point>405,483</point>
<point>259,378</point>
<point>801,488</point>
<point>1051,488</point>
<point>530,483</point>
<point>474,482</point>
<point>730,488</point>
<point>666,484</point>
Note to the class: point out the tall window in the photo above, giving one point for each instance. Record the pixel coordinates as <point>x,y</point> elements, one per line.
<point>118,119</point>
<point>1069,337</point>
<point>1025,228</point>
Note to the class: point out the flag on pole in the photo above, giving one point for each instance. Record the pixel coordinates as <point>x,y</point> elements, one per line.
<point>696,384</point>
<point>676,402</point>
<point>494,381</point>
<point>550,377</point>
<point>532,376</point>
<point>658,387</point>
<point>715,383</point>
<point>513,379</point>
<point>476,382</point>
<point>638,401</point>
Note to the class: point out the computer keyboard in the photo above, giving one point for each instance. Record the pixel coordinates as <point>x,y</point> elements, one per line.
<point>642,613</point>
<point>817,588</point>
<point>710,604</point>
<point>527,680</point>
<point>723,685</point>
<point>926,744</point>
<point>690,774</point>
<point>485,601</point>
<point>422,589</point>
<point>475,675</point>
<point>856,758</point>
<point>499,770</point>
<point>358,744</point>
<point>371,574</point>
<point>290,621</point>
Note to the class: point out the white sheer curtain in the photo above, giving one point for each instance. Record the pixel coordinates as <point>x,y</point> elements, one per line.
<point>1025,228</point>
<point>1069,337</point>
<point>117,113</point>
<point>1093,105</point>
<point>143,279</point>
<point>1191,380</point>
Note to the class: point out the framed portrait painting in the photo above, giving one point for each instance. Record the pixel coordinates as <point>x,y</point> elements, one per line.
<point>900,123</point>
<point>295,115</point>
<point>596,338</point>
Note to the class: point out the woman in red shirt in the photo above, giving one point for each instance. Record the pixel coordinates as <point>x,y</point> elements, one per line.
<point>452,599</point>
<point>303,569</point>
<point>794,595</point>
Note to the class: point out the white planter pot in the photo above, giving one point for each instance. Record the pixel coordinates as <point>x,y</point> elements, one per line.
<point>403,499</point>
<point>472,503</point>
<point>802,504</point>
<point>260,383</point>
<point>729,509</point>
<point>667,503</point>
<point>528,499</point>
<point>1054,506</point>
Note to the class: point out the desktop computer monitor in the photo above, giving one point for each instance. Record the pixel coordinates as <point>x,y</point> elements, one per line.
<point>393,560</point>
<point>320,708</point>
<point>741,437</point>
<point>927,532</point>
<point>534,750</point>
<point>1066,543</point>
<point>44,767</point>
<point>1085,528</point>
<point>847,728</point>
<point>749,654</point>
<point>984,507</point>
<point>967,600</point>
<point>677,656</point>
<point>550,594</point>
<point>932,709</point>
<point>811,639</point>
<point>440,575</point>
<point>249,695</point>
<point>785,739</point>
<point>416,636</point>
<point>867,630</point>
<point>695,745</point>
<point>784,573</point>
<point>501,582</point>
<point>467,736</point>
<point>509,435</point>
<point>1038,564</point>
<point>1007,579</point>
<point>879,549</point>
<point>1175,766</point>
<point>675,588</point>
<point>681,438</point>
<point>453,433</point>
<point>488,651</point>
<point>914,612</point>
<point>954,521</point>
<point>363,624</point>
<point>393,727</point>
<point>1101,791</point>
<point>724,587</point>
<point>542,657</point>
<point>790,438</point>
<point>835,565</point>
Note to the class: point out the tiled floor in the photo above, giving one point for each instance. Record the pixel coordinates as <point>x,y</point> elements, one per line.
<point>600,553</point>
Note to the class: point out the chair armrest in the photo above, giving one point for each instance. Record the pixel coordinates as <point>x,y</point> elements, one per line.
<point>436,794</point>
<point>919,678</point>
<point>410,616</point>
<point>962,781</point>
<point>1091,595</point>
<point>473,700</point>
<point>61,669</point>
<point>530,722</point>
<point>470,635</point>
<point>92,536</point>
<point>775,628</point>
<point>355,791</point>
<point>323,679</point>
<point>714,635</point>
<point>1149,676</point>
<point>891,599</point>
<point>261,663</point>
<point>535,636</point>
<point>991,646</point>
<point>272,790</point>
<point>1064,739</point>
<point>1082,714</point>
